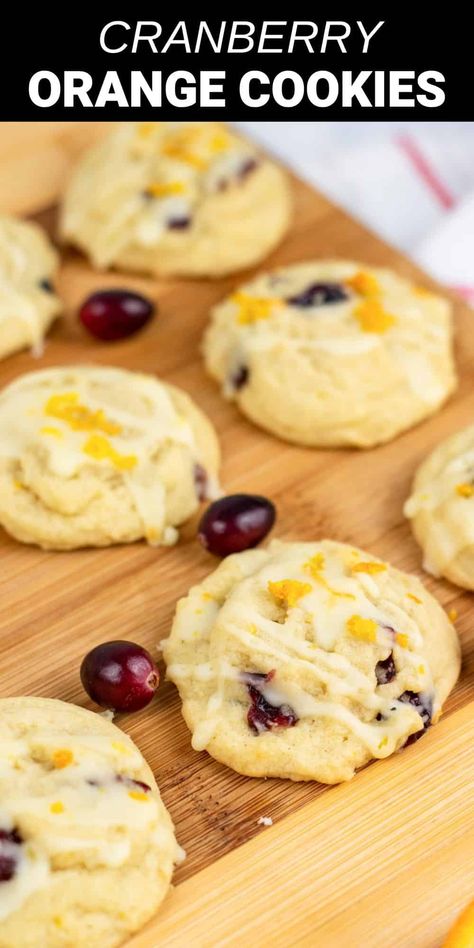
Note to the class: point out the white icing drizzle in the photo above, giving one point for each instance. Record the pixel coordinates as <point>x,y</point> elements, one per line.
<point>23,251</point>
<point>191,159</point>
<point>342,690</point>
<point>449,521</point>
<point>26,426</point>
<point>84,809</point>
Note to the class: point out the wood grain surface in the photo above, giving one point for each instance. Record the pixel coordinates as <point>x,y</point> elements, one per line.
<point>383,861</point>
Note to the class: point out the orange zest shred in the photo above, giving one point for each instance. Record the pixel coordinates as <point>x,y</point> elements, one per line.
<point>100,449</point>
<point>62,758</point>
<point>165,188</point>
<point>461,935</point>
<point>452,615</point>
<point>370,567</point>
<point>56,807</point>
<point>289,591</point>
<point>402,639</point>
<point>315,568</point>
<point>363,629</point>
<point>250,309</point>
<point>414,598</point>
<point>372,317</point>
<point>67,407</point>
<point>465,490</point>
<point>139,795</point>
<point>364,283</point>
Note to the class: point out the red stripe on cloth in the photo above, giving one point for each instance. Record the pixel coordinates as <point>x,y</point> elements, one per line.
<point>425,170</point>
<point>466,291</point>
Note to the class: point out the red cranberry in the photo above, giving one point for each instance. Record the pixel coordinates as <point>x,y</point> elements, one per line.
<point>201,482</point>
<point>115,314</point>
<point>385,670</point>
<point>179,223</point>
<point>120,675</point>
<point>319,294</point>
<point>423,704</point>
<point>239,377</point>
<point>236,523</point>
<point>263,716</point>
<point>10,840</point>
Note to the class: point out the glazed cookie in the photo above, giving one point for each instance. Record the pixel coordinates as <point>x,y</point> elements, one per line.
<point>188,199</point>
<point>441,509</point>
<point>332,353</point>
<point>28,304</point>
<point>307,660</point>
<point>91,456</point>
<point>86,845</point>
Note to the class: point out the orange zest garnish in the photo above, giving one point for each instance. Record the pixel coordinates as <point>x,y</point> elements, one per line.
<point>461,935</point>
<point>67,407</point>
<point>364,283</point>
<point>250,309</point>
<point>62,758</point>
<point>372,317</point>
<point>370,567</point>
<point>363,629</point>
<point>465,490</point>
<point>289,591</point>
<point>100,449</point>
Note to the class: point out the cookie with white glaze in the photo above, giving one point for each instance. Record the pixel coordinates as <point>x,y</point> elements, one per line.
<point>87,847</point>
<point>176,198</point>
<point>332,353</point>
<point>441,509</point>
<point>92,456</point>
<point>308,660</point>
<point>28,303</point>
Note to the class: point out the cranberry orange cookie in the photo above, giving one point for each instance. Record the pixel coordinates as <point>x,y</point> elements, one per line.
<point>441,509</point>
<point>86,845</point>
<point>330,353</point>
<point>307,660</point>
<point>189,199</point>
<point>28,304</point>
<point>91,456</point>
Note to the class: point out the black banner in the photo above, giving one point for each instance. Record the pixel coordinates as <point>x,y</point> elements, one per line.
<point>336,62</point>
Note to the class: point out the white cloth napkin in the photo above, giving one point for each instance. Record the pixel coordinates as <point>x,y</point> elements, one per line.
<point>411,183</point>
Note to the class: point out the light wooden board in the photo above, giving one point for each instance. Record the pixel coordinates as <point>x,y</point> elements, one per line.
<point>383,861</point>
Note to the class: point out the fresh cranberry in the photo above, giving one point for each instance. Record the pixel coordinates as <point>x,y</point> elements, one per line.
<point>385,670</point>
<point>263,716</point>
<point>236,523</point>
<point>423,705</point>
<point>179,223</point>
<point>9,841</point>
<point>120,675</point>
<point>201,482</point>
<point>115,314</point>
<point>319,294</point>
<point>239,377</point>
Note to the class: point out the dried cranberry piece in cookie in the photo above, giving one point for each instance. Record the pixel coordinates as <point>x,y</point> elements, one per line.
<point>239,377</point>
<point>319,294</point>
<point>10,841</point>
<point>133,784</point>
<point>201,481</point>
<point>263,716</point>
<point>179,223</point>
<point>385,670</point>
<point>423,704</point>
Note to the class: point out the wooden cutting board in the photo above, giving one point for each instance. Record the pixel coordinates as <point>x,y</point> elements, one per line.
<point>385,860</point>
